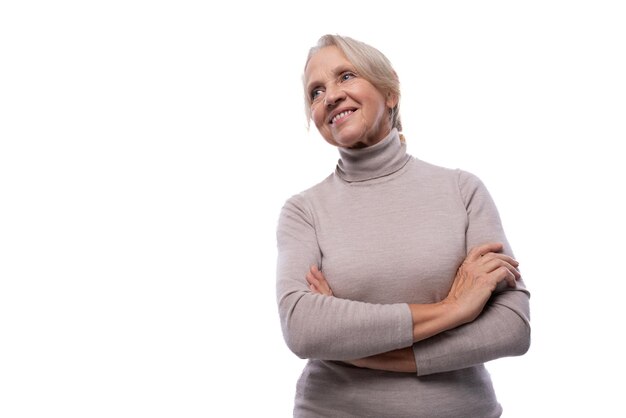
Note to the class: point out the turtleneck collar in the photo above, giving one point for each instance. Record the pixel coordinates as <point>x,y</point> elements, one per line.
<point>379,160</point>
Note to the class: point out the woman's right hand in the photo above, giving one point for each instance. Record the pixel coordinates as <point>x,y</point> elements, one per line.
<point>317,282</point>
<point>477,277</point>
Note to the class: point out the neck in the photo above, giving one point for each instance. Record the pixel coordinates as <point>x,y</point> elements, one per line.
<point>378,160</point>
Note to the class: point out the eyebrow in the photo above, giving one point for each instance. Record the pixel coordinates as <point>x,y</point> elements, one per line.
<point>336,71</point>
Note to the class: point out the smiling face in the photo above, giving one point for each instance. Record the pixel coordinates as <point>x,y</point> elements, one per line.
<point>347,110</point>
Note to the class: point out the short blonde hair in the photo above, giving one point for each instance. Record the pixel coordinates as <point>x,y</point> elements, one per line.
<point>369,63</point>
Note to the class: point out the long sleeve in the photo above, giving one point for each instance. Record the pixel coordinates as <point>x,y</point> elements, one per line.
<point>320,327</point>
<point>388,229</point>
<point>503,329</point>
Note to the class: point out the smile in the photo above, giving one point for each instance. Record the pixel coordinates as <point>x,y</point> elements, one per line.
<point>340,116</point>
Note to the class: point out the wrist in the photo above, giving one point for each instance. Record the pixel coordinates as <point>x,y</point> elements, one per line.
<point>434,318</point>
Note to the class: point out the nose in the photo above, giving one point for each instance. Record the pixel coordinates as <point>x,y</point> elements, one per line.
<point>333,96</point>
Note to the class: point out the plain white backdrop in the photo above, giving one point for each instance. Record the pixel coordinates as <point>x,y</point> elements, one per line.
<point>146,149</point>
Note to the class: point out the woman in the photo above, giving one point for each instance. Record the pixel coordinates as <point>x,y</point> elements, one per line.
<point>394,276</point>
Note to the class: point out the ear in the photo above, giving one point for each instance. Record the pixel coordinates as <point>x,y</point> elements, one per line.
<point>391,100</point>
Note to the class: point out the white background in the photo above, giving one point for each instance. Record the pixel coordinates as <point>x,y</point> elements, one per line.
<point>148,146</point>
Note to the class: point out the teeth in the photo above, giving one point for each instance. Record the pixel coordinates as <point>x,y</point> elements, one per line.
<point>340,115</point>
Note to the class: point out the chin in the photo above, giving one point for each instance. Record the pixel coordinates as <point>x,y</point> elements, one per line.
<point>346,140</point>
<point>344,144</point>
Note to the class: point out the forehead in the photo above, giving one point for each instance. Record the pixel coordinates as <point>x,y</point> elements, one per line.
<point>325,63</point>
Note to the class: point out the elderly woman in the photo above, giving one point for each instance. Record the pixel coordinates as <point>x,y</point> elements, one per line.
<point>394,276</point>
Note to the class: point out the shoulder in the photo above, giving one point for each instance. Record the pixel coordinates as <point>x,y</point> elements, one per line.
<point>463,183</point>
<point>302,202</point>
<point>459,177</point>
<point>432,170</point>
<point>468,181</point>
<point>472,189</point>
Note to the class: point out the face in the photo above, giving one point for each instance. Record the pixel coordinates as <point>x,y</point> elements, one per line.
<point>347,110</point>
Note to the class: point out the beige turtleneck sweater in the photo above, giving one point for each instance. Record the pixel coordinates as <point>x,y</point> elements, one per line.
<point>388,229</point>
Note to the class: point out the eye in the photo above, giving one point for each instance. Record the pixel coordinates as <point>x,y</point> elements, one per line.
<point>315,93</point>
<point>347,75</point>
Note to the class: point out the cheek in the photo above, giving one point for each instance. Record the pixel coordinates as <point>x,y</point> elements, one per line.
<point>317,116</point>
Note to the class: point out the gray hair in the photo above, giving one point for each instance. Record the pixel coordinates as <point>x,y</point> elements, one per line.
<point>369,63</point>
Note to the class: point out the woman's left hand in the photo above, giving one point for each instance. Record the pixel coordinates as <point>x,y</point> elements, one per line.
<point>317,282</point>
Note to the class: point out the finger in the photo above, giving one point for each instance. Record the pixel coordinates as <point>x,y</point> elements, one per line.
<point>503,274</point>
<point>489,256</point>
<point>323,285</point>
<point>480,250</point>
<point>319,283</point>
<point>321,289</point>
<point>314,286</point>
<point>318,274</point>
<point>497,259</point>
<point>510,278</point>
<point>314,289</point>
<point>322,280</point>
<point>315,272</point>
<point>496,263</point>
<point>312,279</point>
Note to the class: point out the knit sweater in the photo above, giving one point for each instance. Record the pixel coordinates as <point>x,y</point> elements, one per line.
<point>388,229</point>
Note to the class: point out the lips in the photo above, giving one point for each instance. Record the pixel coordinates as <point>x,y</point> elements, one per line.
<point>340,115</point>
